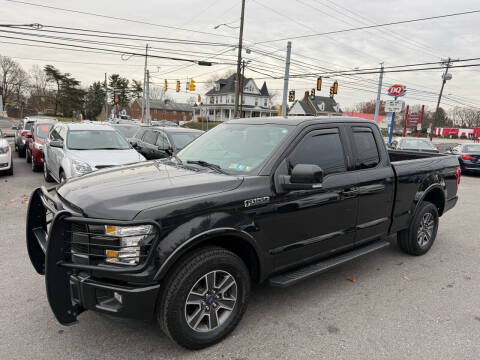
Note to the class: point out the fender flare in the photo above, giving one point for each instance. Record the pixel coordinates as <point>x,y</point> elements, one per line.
<point>205,236</point>
<point>424,194</point>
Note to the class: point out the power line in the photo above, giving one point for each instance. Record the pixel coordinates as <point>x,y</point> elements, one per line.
<point>368,27</point>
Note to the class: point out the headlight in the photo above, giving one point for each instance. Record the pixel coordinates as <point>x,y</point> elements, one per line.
<point>133,240</point>
<point>4,150</point>
<point>80,168</point>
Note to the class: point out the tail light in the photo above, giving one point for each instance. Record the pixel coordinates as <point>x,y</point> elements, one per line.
<point>459,175</point>
<point>25,132</point>
<point>469,158</point>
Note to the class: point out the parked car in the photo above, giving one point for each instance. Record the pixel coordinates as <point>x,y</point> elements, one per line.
<point>76,149</point>
<point>6,161</point>
<point>181,240</point>
<point>164,123</point>
<point>413,144</point>
<point>126,130</point>
<point>23,130</point>
<point>468,156</point>
<point>36,142</point>
<point>8,127</point>
<point>162,142</point>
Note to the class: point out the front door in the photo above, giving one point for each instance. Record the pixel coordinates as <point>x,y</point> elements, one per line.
<point>148,144</point>
<point>308,224</point>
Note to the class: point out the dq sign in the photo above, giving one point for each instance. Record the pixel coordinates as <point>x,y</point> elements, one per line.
<point>397,90</point>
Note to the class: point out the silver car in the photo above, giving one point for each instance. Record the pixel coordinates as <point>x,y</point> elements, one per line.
<point>6,161</point>
<point>76,149</point>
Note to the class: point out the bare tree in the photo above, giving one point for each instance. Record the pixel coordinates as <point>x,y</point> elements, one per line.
<point>10,71</point>
<point>210,82</point>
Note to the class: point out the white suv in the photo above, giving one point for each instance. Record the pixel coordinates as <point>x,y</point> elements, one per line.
<point>77,149</point>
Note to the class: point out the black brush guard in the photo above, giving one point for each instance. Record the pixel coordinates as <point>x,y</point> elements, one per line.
<point>68,284</point>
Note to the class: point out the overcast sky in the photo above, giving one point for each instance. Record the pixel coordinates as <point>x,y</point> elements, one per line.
<point>428,41</point>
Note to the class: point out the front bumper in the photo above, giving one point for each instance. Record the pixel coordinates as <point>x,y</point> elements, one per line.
<point>73,287</point>
<point>6,161</point>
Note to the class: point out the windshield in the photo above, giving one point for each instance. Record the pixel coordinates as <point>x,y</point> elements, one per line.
<point>96,140</point>
<point>417,144</point>
<point>471,148</point>
<point>236,148</point>
<point>127,130</point>
<point>29,125</point>
<point>43,130</point>
<point>180,140</point>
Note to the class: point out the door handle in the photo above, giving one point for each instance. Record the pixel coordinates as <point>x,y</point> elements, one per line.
<point>350,192</point>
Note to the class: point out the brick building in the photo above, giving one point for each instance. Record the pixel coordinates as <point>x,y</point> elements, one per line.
<point>163,110</point>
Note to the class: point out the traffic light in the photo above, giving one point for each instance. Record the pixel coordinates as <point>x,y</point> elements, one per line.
<point>165,86</point>
<point>335,87</point>
<point>319,83</point>
<point>187,85</point>
<point>331,92</point>
<point>192,85</point>
<point>312,94</point>
<point>291,95</point>
<point>178,86</point>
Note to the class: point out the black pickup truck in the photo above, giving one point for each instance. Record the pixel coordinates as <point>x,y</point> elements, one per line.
<point>180,240</point>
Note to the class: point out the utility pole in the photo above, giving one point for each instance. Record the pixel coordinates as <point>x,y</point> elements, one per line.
<point>106,98</point>
<point>239,60</point>
<point>285,79</point>
<point>444,80</point>
<point>242,85</point>
<point>147,101</point>
<point>144,80</point>
<point>379,93</point>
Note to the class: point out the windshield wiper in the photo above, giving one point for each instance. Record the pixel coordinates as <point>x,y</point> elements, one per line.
<point>208,165</point>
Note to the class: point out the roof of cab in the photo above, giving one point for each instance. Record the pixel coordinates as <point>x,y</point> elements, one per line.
<point>88,126</point>
<point>297,120</point>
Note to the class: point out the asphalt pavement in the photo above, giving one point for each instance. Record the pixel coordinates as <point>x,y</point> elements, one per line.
<point>386,305</point>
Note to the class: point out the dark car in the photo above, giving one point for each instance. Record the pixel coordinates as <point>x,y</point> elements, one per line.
<point>36,143</point>
<point>181,240</point>
<point>468,156</point>
<point>161,142</point>
<point>414,144</point>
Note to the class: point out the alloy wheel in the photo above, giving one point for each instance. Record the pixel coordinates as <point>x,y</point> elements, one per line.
<point>211,301</point>
<point>425,230</point>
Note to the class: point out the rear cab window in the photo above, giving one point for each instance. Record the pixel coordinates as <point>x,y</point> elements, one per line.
<point>365,148</point>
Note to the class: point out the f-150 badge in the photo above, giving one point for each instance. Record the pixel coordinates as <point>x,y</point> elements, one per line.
<point>256,201</point>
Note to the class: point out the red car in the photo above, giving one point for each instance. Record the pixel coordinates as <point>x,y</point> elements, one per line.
<point>35,143</point>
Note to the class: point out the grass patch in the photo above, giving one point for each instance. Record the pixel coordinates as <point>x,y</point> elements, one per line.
<point>201,126</point>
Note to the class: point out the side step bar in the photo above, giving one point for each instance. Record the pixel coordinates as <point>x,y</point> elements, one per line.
<point>297,275</point>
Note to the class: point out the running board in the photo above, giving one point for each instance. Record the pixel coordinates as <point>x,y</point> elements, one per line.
<point>297,275</point>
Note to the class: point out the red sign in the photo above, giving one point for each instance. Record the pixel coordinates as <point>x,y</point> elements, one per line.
<point>397,90</point>
<point>413,119</point>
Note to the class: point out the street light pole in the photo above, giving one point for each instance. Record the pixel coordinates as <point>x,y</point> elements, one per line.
<point>144,82</point>
<point>444,80</point>
<point>379,93</point>
<point>285,79</point>
<point>239,61</point>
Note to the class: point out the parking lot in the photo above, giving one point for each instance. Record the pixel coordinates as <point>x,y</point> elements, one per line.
<point>386,305</point>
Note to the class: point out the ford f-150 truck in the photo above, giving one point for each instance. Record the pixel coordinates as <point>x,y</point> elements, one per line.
<point>181,239</point>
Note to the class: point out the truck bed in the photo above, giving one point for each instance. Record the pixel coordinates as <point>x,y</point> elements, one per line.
<point>401,155</point>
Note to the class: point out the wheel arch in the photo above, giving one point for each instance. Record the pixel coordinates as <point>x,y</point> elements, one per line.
<point>434,194</point>
<point>236,241</point>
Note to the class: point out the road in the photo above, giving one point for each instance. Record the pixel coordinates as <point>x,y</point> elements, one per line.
<point>386,305</point>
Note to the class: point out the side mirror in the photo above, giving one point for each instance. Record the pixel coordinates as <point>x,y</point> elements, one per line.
<point>304,177</point>
<point>56,143</point>
<point>169,151</point>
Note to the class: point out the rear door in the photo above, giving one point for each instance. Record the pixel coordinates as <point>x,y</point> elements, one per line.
<point>148,144</point>
<point>162,146</point>
<point>375,182</point>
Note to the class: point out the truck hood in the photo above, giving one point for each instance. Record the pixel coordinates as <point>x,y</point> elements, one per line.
<point>103,158</point>
<point>121,192</point>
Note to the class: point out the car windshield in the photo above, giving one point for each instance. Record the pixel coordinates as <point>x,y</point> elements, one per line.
<point>96,140</point>
<point>29,125</point>
<point>235,148</point>
<point>471,148</point>
<point>180,140</point>
<point>43,130</point>
<point>127,130</point>
<point>417,144</point>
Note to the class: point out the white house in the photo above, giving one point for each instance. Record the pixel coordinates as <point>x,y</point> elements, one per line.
<point>320,105</point>
<point>220,101</point>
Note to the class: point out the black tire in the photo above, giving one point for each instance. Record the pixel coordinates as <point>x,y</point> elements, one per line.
<point>62,177</point>
<point>35,166</point>
<point>28,156</point>
<point>46,173</point>
<point>21,153</point>
<point>180,282</point>
<point>411,240</point>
